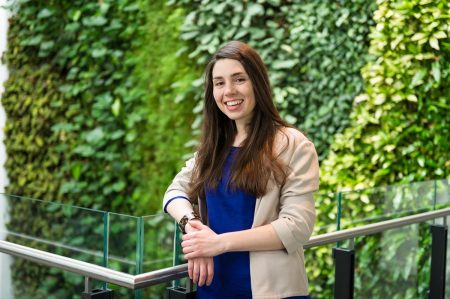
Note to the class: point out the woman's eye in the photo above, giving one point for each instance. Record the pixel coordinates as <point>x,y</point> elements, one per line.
<point>241,80</point>
<point>218,84</point>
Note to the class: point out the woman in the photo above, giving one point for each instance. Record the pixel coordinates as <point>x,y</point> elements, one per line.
<point>253,178</point>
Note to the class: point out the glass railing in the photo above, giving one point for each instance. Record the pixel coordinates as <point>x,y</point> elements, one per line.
<point>396,262</point>
<point>393,264</point>
<point>129,244</point>
<point>69,231</point>
<point>157,249</point>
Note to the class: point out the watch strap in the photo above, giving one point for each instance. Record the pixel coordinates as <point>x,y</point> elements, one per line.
<point>185,219</point>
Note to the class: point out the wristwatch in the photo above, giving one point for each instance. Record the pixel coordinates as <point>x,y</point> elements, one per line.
<point>184,220</point>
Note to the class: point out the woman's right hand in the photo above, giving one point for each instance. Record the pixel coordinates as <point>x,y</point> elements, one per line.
<point>201,269</point>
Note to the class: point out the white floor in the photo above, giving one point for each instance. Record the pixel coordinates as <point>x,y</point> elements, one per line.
<point>5,260</point>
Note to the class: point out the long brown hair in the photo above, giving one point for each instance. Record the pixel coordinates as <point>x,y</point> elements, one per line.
<point>255,162</point>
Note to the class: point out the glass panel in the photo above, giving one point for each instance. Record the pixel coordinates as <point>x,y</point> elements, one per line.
<point>326,212</point>
<point>158,242</point>
<point>158,253</point>
<point>320,270</point>
<point>124,250</point>
<point>378,204</point>
<point>318,260</point>
<point>56,228</point>
<point>443,194</point>
<point>393,264</point>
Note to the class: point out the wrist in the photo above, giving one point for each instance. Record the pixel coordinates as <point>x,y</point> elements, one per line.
<point>186,218</point>
<point>225,241</point>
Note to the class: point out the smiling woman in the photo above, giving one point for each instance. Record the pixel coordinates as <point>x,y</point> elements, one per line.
<point>252,180</point>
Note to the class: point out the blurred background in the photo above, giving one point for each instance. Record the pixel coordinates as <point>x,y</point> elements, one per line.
<point>101,104</point>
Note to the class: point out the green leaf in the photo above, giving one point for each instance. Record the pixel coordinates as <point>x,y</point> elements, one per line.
<point>417,79</point>
<point>99,52</point>
<point>95,135</point>
<point>84,150</point>
<point>131,7</point>
<point>119,186</point>
<point>47,45</point>
<point>115,108</point>
<point>421,161</point>
<point>219,8</point>
<point>440,34</point>
<point>94,21</point>
<point>32,41</point>
<point>434,43</point>
<point>44,13</point>
<point>189,35</point>
<point>436,71</point>
<point>76,171</point>
<point>255,9</point>
<point>76,15</point>
<point>290,119</point>
<point>286,64</point>
<point>418,36</point>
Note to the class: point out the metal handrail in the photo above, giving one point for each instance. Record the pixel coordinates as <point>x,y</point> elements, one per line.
<point>370,229</point>
<point>168,274</point>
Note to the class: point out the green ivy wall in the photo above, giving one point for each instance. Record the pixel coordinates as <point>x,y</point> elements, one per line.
<point>104,98</point>
<point>314,51</point>
<point>82,126</point>
<point>399,126</point>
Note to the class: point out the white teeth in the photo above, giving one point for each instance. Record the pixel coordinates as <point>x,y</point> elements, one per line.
<point>233,103</point>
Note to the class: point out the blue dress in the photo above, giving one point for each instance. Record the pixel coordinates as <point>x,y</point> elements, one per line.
<point>230,210</point>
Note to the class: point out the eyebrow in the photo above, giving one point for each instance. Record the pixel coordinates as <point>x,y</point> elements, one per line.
<point>232,75</point>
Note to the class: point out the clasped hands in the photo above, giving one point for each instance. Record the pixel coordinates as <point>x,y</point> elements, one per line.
<point>200,244</point>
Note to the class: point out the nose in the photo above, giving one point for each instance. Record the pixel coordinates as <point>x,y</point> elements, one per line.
<point>229,89</point>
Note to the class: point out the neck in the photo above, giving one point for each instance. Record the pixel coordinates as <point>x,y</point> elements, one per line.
<point>241,133</point>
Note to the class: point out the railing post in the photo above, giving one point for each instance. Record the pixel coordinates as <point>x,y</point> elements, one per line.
<point>438,261</point>
<point>182,293</point>
<point>344,275</point>
<point>89,293</point>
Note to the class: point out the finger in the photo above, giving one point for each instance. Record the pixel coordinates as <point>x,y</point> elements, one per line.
<point>203,273</point>
<point>196,271</point>
<point>186,237</point>
<point>187,249</point>
<point>210,267</point>
<point>190,268</point>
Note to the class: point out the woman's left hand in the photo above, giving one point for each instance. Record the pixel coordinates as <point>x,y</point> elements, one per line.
<point>201,243</point>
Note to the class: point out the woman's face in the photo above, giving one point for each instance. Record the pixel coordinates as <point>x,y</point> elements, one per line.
<point>233,90</point>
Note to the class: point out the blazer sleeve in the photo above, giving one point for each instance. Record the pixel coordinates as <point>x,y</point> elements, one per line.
<point>297,214</point>
<point>180,184</point>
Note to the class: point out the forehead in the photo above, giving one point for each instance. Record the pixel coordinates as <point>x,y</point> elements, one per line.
<point>227,67</point>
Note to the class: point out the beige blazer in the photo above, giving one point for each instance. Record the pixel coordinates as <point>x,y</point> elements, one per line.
<point>288,208</point>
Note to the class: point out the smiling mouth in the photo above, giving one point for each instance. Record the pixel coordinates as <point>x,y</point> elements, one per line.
<point>234,103</point>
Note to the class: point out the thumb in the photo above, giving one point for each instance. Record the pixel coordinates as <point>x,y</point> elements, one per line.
<point>196,224</point>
